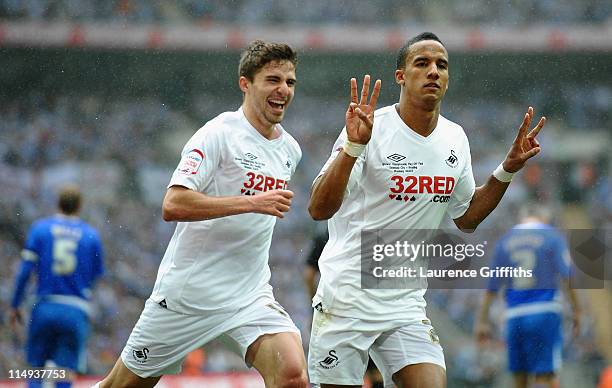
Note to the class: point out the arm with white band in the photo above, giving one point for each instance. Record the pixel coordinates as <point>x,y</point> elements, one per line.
<point>353,149</point>
<point>502,175</point>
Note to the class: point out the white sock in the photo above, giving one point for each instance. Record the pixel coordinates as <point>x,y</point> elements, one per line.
<point>96,385</point>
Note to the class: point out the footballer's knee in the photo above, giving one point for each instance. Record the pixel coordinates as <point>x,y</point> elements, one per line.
<point>292,376</point>
<point>121,377</point>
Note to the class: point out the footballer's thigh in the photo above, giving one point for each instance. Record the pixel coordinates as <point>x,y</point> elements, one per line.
<point>425,375</point>
<point>338,351</point>
<point>411,356</point>
<point>280,360</point>
<point>267,339</point>
<point>160,341</point>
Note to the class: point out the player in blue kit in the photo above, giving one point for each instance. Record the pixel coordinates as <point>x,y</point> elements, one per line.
<point>66,253</point>
<point>534,310</point>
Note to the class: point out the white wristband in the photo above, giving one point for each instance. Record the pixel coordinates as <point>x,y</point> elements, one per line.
<point>502,175</point>
<point>353,149</point>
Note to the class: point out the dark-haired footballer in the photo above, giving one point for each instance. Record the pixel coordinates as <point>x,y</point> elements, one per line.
<point>226,194</point>
<point>404,167</point>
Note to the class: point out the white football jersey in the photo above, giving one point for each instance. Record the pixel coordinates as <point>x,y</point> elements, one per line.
<point>401,181</point>
<point>222,263</point>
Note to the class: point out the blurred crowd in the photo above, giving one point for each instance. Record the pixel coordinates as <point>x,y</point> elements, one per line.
<point>123,151</point>
<point>394,12</point>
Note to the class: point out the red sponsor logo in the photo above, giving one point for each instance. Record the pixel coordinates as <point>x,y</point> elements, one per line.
<point>191,162</point>
<point>422,184</point>
<point>259,182</point>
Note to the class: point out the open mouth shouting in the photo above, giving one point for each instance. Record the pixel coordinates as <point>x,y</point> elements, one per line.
<point>277,105</point>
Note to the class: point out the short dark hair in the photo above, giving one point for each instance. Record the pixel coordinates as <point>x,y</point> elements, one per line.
<point>403,52</point>
<point>69,201</point>
<point>260,53</point>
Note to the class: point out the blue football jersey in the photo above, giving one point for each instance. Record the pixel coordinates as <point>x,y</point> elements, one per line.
<point>540,249</point>
<point>67,255</point>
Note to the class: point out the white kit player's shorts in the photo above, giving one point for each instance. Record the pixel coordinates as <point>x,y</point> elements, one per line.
<point>339,348</point>
<point>162,338</point>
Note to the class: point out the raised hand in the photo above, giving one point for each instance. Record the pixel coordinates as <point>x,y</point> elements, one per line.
<point>273,202</point>
<point>525,145</point>
<point>359,117</point>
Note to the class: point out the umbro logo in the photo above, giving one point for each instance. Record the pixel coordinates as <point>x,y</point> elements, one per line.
<point>330,361</point>
<point>396,157</point>
<point>140,355</point>
<point>250,156</point>
<point>288,164</point>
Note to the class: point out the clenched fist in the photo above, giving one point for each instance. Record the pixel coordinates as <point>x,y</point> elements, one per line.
<point>273,202</point>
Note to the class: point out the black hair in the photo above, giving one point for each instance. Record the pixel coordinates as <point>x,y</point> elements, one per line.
<point>403,52</point>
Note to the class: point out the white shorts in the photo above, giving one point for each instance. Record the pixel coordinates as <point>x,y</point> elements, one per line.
<point>339,348</point>
<point>162,338</point>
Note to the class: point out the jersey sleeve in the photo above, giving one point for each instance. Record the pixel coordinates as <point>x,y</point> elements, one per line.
<point>357,170</point>
<point>199,160</point>
<point>296,158</point>
<point>29,262</point>
<point>30,251</point>
<point>462,195</point>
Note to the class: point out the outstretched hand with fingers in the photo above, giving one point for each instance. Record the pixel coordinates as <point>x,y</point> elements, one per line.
<point>360,114</point>
<point>525,145</point>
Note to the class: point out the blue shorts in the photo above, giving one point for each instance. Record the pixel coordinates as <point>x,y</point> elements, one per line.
<point>534,343</point>
<point>58,332</point>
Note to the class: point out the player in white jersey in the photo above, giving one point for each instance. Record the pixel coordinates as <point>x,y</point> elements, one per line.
<point>228,190</point>
<point>399,167</point>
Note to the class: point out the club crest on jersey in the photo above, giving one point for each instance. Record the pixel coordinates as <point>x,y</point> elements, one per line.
<point>191,162</point>
<point>452,160</point>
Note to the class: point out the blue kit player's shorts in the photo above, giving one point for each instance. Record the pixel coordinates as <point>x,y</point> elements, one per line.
<point>534,343</point>
<point>58,332</point>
